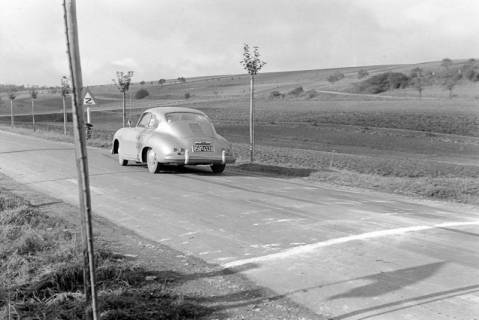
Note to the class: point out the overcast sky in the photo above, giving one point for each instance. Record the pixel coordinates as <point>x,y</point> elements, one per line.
<point>172,38</point>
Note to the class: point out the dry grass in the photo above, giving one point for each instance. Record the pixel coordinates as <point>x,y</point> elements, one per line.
<point>42,278</point>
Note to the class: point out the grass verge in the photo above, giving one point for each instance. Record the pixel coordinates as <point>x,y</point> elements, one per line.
<point>41,273</point>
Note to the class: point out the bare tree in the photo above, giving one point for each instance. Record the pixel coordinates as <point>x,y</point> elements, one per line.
<point>12,95</point>
<point>450,82</point>
<point>65,91</point>
<point>417,80</point>
<point>123,84</point>
<point>33,95</point>
<point>253,64</point>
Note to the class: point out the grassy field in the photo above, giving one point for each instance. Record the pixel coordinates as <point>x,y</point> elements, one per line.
<point>393,141</point>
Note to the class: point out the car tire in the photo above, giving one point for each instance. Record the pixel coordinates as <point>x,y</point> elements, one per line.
<point>151,162</point>
<point>218,168</point>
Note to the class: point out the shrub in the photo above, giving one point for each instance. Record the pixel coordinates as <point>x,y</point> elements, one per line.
<point>335,77</point>
<point>187,95</point>
<point>363,73</point>
<point>310,94</point>
<point>296,92</point>
<point>276,94</point>
<point>142,93</point>
<point>384,82</point>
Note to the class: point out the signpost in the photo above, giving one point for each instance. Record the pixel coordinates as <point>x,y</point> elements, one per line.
<point>88,101</point>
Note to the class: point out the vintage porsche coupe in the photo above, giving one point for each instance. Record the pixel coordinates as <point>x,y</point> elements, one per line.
<point>173,136</point>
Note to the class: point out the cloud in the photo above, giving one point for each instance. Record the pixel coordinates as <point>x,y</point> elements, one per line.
<point>169,38</point>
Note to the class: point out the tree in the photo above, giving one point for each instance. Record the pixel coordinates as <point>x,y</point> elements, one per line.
<point>253,64</point>
<point>123,84</point>
<point>446,63</point>
<point>181,79</point>
<point>417,80</point>
<point>363,73</point>
<point>65,91</point>
<point>161,82</point>
<point>142,82</point>
<point>33,95</point>
<point>12,95</point>
<point>450,82</point>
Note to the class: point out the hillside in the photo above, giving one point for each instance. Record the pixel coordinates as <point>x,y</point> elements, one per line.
<point>212,88</point>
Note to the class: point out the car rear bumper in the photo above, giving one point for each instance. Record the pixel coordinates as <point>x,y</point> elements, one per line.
<point>199,158</point>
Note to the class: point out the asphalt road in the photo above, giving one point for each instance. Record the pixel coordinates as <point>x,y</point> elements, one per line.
<point>344,254</point>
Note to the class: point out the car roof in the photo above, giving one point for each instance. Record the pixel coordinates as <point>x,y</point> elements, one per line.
<point>161,111</point>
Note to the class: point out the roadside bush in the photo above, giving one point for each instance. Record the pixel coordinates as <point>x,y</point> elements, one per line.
<point>384,82</point>
<point>187,95</point>
<point>276,94</point>
<point>296,92</point>
<point>142,93</point>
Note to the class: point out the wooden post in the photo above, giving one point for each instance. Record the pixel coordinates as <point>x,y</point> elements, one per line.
<point>33,114</point>
<point>251,120</point>
<point>81,156</point>
<point>64,115</point>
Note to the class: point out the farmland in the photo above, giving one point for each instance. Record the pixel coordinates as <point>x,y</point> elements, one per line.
<point>393,141</point>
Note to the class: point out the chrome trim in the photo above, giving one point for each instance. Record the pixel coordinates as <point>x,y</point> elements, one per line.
<point>223,157</point>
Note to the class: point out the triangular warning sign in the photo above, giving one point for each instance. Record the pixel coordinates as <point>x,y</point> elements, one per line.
<point>88,99</point>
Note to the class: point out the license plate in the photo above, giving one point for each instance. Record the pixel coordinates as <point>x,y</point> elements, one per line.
<point>202,147</point>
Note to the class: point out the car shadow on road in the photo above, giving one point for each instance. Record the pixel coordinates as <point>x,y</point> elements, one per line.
<point>245,169</point>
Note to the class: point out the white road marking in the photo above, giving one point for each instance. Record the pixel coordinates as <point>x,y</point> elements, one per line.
<point>301,250</point>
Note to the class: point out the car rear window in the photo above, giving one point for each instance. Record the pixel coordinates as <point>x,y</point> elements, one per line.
<point>190,124</point>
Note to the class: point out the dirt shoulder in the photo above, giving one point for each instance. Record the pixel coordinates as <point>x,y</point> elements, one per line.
<point>221,293</point>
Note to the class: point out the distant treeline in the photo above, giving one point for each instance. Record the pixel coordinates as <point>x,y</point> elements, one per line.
<point>15,88</point>
<point>447,76</point>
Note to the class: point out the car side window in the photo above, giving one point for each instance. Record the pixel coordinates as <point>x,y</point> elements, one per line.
<point>153,122</point>
<point>144,120</point>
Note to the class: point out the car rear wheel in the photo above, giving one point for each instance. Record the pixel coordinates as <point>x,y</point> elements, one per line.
<point>218,168</point>
<point>152,163</point>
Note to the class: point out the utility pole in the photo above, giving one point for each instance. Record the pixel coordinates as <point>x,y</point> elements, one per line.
<point>65,90</point>
<point>81,156</point>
